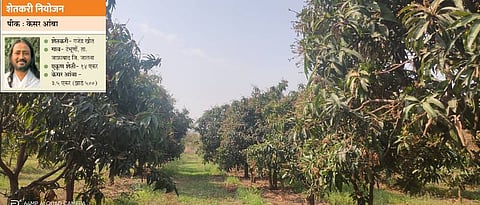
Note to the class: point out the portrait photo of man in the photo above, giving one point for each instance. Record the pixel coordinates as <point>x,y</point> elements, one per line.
<point>22,71</point>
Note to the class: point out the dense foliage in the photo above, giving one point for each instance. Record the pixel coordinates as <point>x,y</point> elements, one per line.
<point>392,94</point>
<point>133,126</point>
<point>245,134</point>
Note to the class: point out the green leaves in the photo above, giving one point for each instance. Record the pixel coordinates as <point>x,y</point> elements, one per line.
<point>379,84</point>
<point>252,133</point>
<point>352,53</point>
<point>431,105</point>
<point>134,123</point>
<point>386,13</point>
<point>470,22</point>
<point>465,19</point>
<point>473,35</point>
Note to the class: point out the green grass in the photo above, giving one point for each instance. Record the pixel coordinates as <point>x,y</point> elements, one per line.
<point>339,198</point>
<point>197,183</point>
<point>384,197</point>
<point>243,194</point>
<point>200,183</point>
<point>232,181</point>
<point>249,196</point>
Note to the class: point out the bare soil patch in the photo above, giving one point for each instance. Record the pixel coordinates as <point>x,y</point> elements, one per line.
<point>122,185</point>
<point>281,196</point>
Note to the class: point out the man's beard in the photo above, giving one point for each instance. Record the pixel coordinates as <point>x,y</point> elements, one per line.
<point>23,68</point>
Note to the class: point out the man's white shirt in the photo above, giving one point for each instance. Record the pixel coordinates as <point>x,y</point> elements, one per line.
<point>29,81</point>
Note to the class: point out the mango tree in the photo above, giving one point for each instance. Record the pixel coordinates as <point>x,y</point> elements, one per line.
<point>377,97</point>
<point>273,132</point>
<point>208,126</point>
<point>77,135</point>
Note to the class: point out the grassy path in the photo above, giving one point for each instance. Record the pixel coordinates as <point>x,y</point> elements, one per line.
<point>200,184</point>
<point>205,184</point>
<point>196,183</point>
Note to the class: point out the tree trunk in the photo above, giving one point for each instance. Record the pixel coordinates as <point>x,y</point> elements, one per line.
<point>270,179</point>
<point>138,171</point>
<point>111,179</point>
<point>275,179</point>
<point>245,171</point>
<point>460,189</point>
<point>468,140</point>
<point>69,187</point>
<point>13,183</point>
<point>13,179</point>
<point>372,186</point>
<point>311,199</point>
<point>13,176</point>
<point>358,196</point>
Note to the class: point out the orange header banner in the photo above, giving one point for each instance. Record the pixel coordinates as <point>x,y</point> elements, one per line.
<point>53,8</point>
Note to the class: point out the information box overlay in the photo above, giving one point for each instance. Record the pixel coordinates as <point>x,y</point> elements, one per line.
<point>68,41</point>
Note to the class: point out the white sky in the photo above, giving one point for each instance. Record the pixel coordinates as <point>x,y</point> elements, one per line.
<point>215,51</point>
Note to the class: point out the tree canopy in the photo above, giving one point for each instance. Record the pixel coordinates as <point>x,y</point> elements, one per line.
<point>392,94</point>
<point>78,136</point>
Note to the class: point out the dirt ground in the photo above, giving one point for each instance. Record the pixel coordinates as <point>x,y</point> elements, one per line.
<point>275,197</point>
<point>121,186</point>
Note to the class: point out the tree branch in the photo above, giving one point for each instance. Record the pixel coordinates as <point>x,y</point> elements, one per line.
<point>40,181</point>
<point>21,159</point>
<point>6,170</point>
<point>395,66</point>
<point>467,139</point>
<point>372,101</point>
